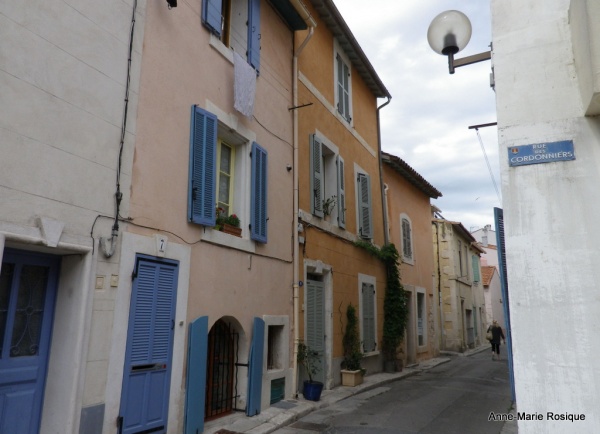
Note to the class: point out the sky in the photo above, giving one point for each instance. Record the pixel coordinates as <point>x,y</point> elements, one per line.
<point>426,123</point>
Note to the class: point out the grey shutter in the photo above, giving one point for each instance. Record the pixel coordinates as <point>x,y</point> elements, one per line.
<point>316,176</point>
<point>406,239</point>
<point>341,193</point>
<point>365,229</point>
<point>368,317</point>
<point>476,276</point>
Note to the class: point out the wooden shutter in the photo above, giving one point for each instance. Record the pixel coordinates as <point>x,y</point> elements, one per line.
<point>475,263</point>
<point>406,239</point>
<point>211,15</point>
<point>364,207</point>
<point>341,193</point>
<point>196,376</point>
<point>203,161</point>
<point>255,368</point>
<point>368,317</point>
<point>254,34</point>
<point>258,200</point>
<point>316,178</point>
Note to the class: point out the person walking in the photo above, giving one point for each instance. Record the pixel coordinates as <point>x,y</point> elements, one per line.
<point>497,334</point>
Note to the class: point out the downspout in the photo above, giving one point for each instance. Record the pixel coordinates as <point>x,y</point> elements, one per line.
<point>300,8</point>
<point>386,238</point>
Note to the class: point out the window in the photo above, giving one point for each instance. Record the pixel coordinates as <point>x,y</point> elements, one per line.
<point>406,238</point>
<point>237,24</point>
<point>475,264</point>
<point>212,185</point>
<point>363,199</point>
<point>421,318</point>
<point>343,92</point>
<point>368,313</point>
<point>327,185</point>
<point>226,158</point>
<point>460,260</point>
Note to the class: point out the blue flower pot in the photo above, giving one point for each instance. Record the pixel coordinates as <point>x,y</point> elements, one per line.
<point>312,390</point>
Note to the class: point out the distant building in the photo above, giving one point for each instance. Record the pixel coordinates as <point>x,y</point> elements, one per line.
<point>494,304</point>
<point>408,197</point>
<point>457,278</point>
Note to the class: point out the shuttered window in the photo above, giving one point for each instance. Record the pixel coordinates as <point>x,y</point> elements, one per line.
<point>476,275</point>
<point>341,193</point>
<point>406,239</point>
<point>316,178</point>
<point>202,173</point>
<point>343,87</point>
<point>365,220</point>
<point>226,19</point>
<point>258,200</point>
<point>369,338</point>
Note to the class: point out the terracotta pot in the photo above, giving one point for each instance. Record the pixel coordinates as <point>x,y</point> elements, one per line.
<point>232,230</point>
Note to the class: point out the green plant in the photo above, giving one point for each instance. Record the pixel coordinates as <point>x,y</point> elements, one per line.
<point>351,342</point>
<point>329,204</point>
<point>223,218</point>
<point>308,358</point>
<point>395,303</point>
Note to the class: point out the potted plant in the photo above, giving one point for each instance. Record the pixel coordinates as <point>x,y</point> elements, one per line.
<point>228,224</point>
<point>329,205</point>
<point>352,371</point>
<point>395,308</point>
<point>308,358</point>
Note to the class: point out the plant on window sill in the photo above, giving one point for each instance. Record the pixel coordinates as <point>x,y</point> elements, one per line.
<point>228,224</point>
<point>329,205</point>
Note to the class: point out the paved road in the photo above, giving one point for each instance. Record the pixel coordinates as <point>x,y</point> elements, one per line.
<point>456,397</point>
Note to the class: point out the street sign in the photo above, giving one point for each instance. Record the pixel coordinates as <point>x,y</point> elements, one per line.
<point>541,153</point>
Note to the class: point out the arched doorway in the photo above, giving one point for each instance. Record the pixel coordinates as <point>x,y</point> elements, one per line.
<point>223,344</point>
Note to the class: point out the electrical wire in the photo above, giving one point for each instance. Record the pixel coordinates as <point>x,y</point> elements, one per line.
<point>488,165</point>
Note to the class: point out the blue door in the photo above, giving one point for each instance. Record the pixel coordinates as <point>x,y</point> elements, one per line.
<point>147,371</point>
<point>27,296</point>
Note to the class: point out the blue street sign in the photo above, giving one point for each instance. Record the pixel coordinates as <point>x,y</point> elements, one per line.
<point>541,153</point>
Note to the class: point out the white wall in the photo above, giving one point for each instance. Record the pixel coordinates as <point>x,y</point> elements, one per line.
<point>550,213</point>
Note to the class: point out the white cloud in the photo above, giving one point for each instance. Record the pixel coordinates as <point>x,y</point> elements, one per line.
<point>427,121</point>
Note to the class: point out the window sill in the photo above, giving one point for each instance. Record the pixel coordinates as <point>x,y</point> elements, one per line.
<point>226,52</point>
<point>408,261</point>
<point>222,239</point>
<point>371,354</point>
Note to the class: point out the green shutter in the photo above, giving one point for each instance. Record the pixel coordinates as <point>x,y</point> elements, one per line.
<point>476,275</point>
<point>316,176</point>
<point>341,193</point>
<point>365,229</point>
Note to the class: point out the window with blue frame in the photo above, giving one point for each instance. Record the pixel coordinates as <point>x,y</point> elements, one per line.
<point>213,182</point>
<point>237,24</point>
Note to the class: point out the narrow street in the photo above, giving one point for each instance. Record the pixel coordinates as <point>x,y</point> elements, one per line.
<point>456,397</point>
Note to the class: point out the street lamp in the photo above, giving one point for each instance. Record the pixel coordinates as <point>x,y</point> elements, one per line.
<point>449,33</point>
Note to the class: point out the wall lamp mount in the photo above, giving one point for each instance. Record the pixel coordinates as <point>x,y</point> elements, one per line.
<point>448,34</point>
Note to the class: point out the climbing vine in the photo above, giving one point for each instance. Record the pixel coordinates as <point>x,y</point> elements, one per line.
<point>395,303</point>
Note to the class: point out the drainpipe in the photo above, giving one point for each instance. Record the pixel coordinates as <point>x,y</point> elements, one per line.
<point>301,9</point>
<point>386,238</point>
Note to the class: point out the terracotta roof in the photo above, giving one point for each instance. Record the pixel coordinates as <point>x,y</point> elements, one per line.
<point>487,272</point>
<point>410,174</point>
<point>340,30</point>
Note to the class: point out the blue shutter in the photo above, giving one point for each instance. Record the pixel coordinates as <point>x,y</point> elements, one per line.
<point>258,200</point>
<point>211,15</point>
<point>341,202</point>
<point>316,176</point>
<point>255,368</point>
<point>203,161</point>
<point>196,376</point>
<point>364,210</point>
<point>254,34</point>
